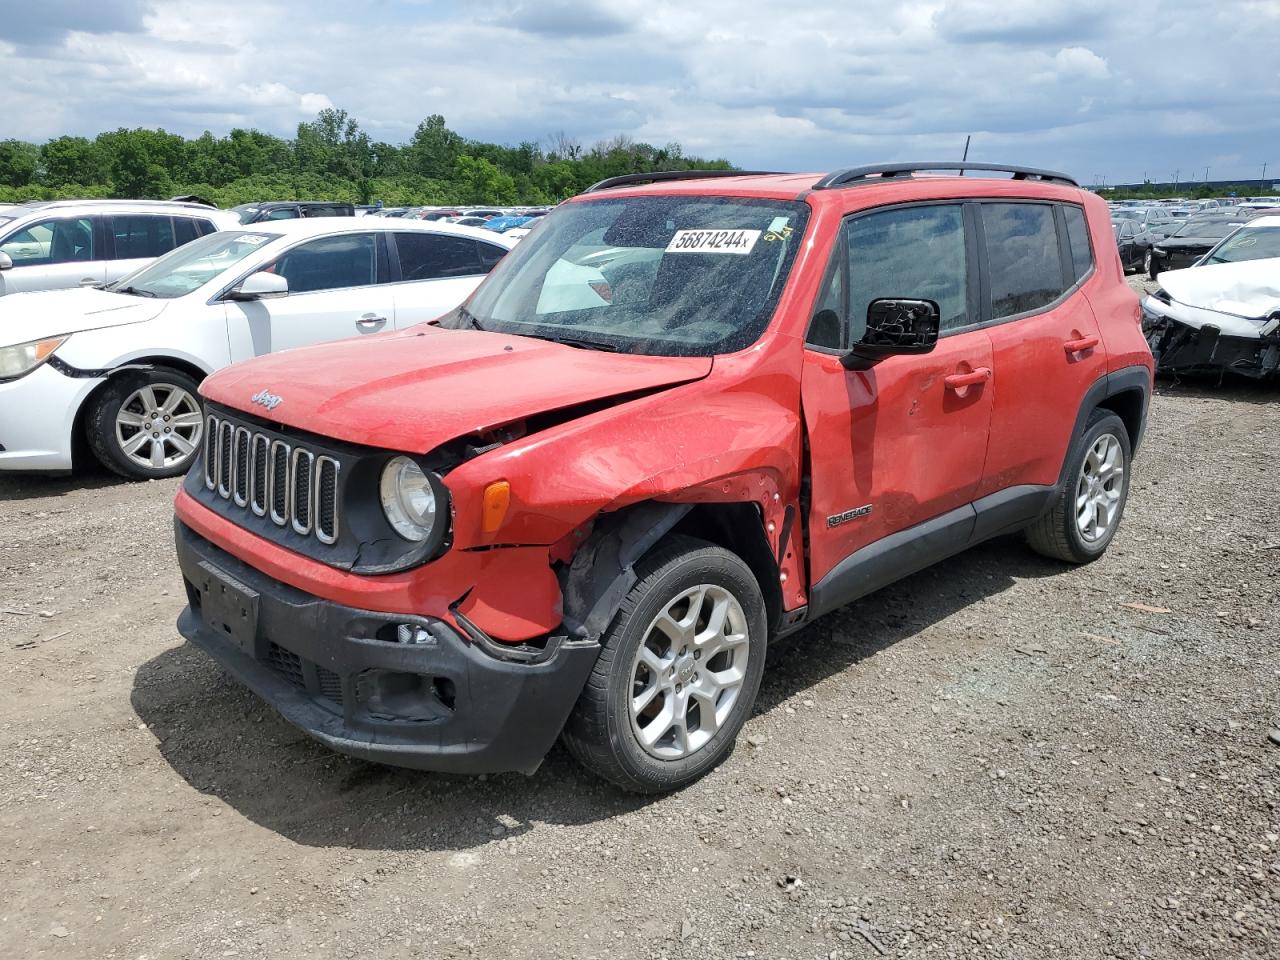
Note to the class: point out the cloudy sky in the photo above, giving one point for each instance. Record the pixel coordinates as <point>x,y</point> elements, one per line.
<point>1101,88</point>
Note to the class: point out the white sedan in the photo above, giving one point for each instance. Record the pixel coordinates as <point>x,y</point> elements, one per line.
<point>121,365</point>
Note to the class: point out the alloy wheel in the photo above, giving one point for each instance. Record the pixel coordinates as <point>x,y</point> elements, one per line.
<point>159,426</point>
<point>689,671</point>
<point>1099,488</point>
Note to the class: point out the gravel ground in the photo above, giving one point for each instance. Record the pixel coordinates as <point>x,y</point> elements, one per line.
<point>998,757</point>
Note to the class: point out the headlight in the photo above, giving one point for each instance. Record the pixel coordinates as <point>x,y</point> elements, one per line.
<point>18,361</point>
<point>411,499</point>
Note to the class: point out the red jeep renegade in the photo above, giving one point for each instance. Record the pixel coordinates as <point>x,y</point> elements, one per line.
<point>687,415</point>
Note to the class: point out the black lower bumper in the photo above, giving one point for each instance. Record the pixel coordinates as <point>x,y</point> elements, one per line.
<point>437,702</point>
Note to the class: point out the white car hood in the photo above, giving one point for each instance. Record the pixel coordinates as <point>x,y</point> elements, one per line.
<point>48,313</point>
<point>1237,298</point>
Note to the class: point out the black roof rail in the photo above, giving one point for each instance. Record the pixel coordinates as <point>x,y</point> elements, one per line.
<point>661,176</point>
<point>856,176</point>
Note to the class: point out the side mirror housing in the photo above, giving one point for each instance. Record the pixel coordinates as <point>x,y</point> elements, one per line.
<point>260,286</point>
<point>894,327</point>
<point>6,262</point>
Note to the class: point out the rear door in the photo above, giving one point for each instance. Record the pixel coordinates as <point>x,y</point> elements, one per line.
<point>53,254</point>
<point>137,239</point>
<point>436,272</point>
<point>1047,345</point>
<point>904,442</point>
<point>337,289</point>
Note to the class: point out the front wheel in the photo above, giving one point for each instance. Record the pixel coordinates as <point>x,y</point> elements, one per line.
<point>1086,514</point>
<point>146,424</point>
<point>1153,268</point>
<point>678,671</point>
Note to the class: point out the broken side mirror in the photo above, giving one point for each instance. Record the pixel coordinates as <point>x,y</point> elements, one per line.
<point>894,327</point>
<point>6,262</point>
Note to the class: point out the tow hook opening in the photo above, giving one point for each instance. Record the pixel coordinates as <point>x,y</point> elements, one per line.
<point>397,696</point>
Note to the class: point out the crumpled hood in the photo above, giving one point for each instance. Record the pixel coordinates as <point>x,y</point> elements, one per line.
<point>48,313</point>
<point>417,389</point>
<point>1238,298</point>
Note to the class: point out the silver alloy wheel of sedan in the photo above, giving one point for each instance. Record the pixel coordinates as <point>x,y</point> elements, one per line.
<point>688,672</point>
<point>1099,488</point>
<point>159,425</point>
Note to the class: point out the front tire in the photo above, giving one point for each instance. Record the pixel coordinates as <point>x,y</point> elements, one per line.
<point>1086,514</point>
<point>678,671</point>
<point>1153,268</point>
<point>146,424</point>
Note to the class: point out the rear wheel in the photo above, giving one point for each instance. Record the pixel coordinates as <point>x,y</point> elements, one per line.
<point>146,424</point>
<point>678,671</point>
<point>1087,512</point>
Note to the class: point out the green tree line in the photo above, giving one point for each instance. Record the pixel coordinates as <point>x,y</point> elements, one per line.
<point>330,158</point>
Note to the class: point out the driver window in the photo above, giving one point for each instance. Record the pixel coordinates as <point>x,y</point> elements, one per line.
<point>909,252</point>
<point>330,263</point>
<point>52,241</point>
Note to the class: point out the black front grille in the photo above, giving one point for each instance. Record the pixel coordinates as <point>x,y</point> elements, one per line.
<point>330,684</point>
<point>294,669</point>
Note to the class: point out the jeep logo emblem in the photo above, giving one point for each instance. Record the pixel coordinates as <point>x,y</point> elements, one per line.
<point>266,399</point>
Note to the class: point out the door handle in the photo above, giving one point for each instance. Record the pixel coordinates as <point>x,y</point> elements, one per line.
<point>370,321</point>
<point>1081,345</point>
<point>88,281</point>
<point>958,381</point>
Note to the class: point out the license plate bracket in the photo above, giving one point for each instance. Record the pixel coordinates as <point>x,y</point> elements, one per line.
<point>229,607</point>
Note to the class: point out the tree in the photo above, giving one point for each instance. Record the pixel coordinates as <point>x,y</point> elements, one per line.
<point>433,150</point>
<point>19,162</point>
<point>476,180</point>
<point>73,160</point>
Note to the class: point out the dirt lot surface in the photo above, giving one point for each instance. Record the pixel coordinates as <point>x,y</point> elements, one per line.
<point>999,757</point>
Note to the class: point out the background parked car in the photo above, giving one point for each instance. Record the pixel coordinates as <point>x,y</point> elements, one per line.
<point>1189,243</point>
<point>70,243</point>
<point>121,365</point>
<point>503,224</point>
<point>292,210</point>
<point>1257,240</point>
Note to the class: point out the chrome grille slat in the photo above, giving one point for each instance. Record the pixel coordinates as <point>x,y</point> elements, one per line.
<point>292,484</point>
<point>259,449</point>
<point>302,476</point>
<point>240,466</point>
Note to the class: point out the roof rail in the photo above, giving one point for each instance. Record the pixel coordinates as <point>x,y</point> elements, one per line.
<point>857,176</point>
<point>665,175</point>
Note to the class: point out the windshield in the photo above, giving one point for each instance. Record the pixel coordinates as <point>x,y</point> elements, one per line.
<point>1251,243</point>
<point>663,276</point>
<point>192,265</point>
<point>1201,229</point>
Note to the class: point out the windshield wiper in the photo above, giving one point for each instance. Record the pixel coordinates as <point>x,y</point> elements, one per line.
<point>136,291</point>
<point>582,344</point>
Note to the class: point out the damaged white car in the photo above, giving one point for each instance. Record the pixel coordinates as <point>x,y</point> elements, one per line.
<point>1217,318</point>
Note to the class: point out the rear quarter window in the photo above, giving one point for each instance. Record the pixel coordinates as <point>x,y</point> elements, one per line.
<point>1078,237</point>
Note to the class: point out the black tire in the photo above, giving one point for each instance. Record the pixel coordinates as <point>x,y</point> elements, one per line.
<point>1057,534</point>
<point>1153,270</point>
<point>600,732</point>
<point>105,406</point>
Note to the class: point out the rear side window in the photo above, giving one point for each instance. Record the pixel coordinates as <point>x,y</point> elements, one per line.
<point>140,236</point>
<point>910,252</point>
<point>1022,256</point>
<point>185,229</point>
<point>1078,237</point>
<point>427,256</point>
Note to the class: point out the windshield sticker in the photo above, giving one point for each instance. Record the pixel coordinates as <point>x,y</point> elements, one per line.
<point>713,241</point>
<point>253,238</point>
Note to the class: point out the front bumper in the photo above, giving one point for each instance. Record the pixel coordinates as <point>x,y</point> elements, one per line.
<point>37,416</point>
<point>1180,348</point>
<point>336,672</point>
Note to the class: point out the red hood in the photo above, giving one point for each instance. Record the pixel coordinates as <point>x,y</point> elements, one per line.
<point>413,391</point>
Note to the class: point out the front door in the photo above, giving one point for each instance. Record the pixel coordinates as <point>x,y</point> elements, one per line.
<point>905,441</point>
<point>54,254</point>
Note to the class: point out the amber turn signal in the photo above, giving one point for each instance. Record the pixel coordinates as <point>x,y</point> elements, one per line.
<point>497,498</point>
